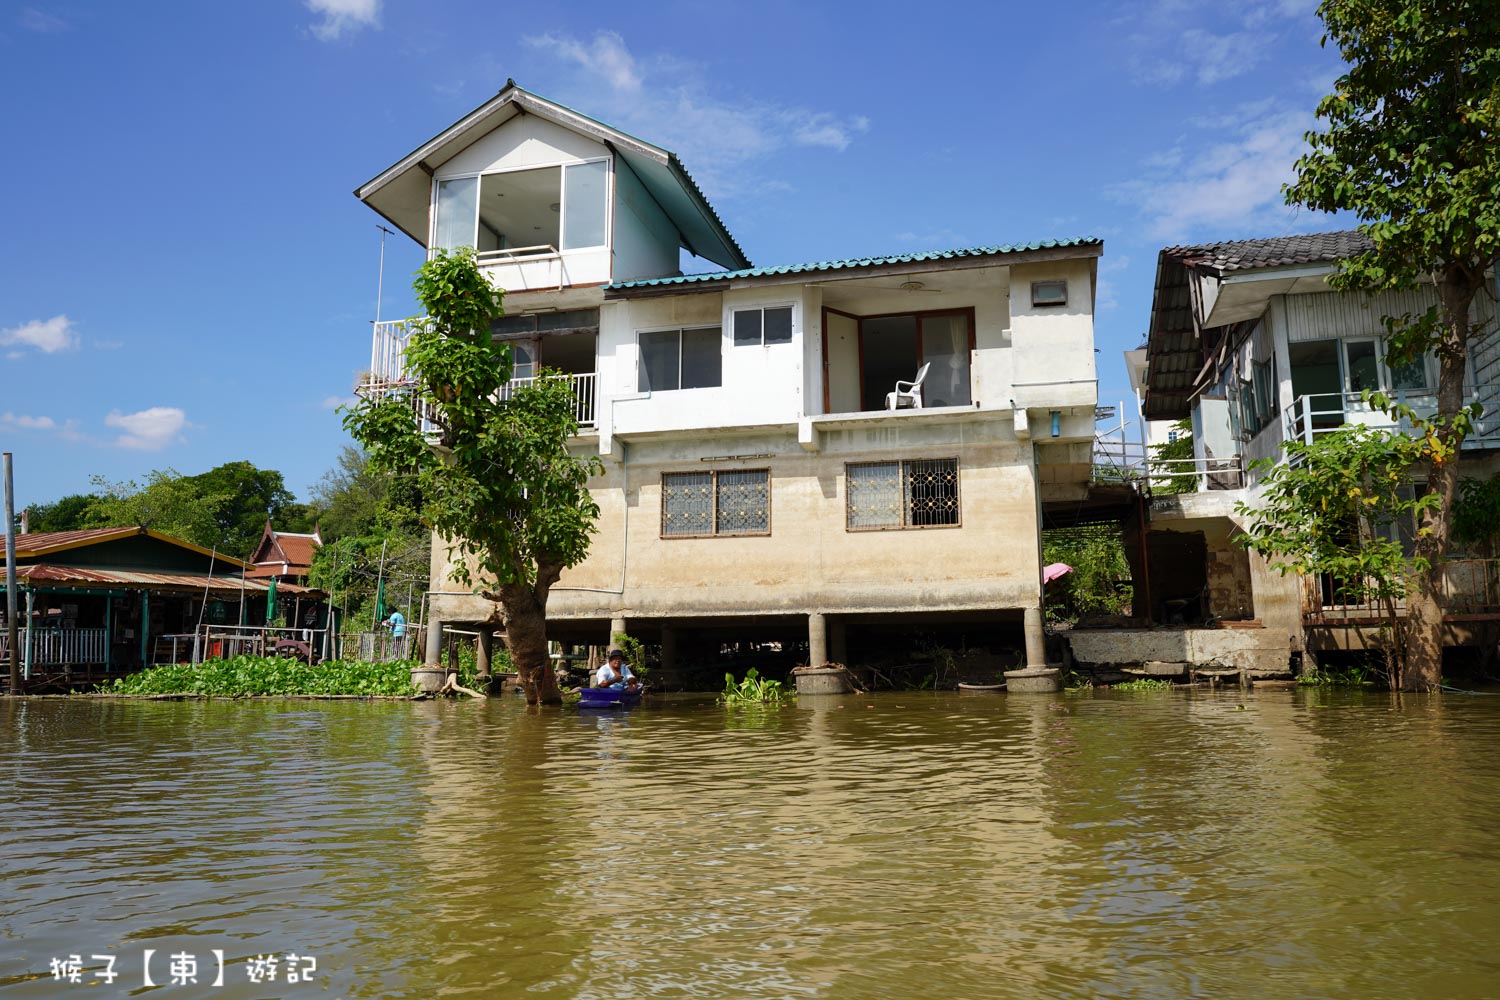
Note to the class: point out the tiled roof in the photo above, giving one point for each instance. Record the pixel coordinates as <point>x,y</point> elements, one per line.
<point>1277,251</point>
<point>85,576</point>
<point>38,542</point>
<point>298,549</point>
<point>854,262</point>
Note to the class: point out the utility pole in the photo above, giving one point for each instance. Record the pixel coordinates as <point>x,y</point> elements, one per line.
<point>12,647</point>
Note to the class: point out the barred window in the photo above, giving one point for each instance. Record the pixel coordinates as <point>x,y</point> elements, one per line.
<point>725,502</point>
<point>915,493</point>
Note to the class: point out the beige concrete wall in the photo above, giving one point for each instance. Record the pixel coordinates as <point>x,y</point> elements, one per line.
<point>810,561</point>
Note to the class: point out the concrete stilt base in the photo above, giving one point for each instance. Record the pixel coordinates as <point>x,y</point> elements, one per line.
<point>1034,680</point>
<point>824,680</point>
<point>429,680</point>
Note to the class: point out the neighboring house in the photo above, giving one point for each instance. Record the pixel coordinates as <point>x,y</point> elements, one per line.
<point>756,485</point>
<point>1248,341</point>
<point>107,600</point>
<point>284,555</point>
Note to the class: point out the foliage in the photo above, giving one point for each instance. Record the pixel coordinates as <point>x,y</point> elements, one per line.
<point>224,508</point>
<point>1338,507</point>
<point>268,675</point>
<point>753,690</point>
<point>1476,515</point>
<point>1097,555</point>
<point>1355,675</point>
<point>498,481</point>
<point>353,499</point>
<point>1143,684</point>
<point>1408,145</point>
<point>634,650</point>
<point>1175,451</point>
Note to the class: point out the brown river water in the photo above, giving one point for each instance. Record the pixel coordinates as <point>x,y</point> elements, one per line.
<point>1262,844</point>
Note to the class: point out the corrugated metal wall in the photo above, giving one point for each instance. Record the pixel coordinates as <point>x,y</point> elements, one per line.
<point>1324,315</point>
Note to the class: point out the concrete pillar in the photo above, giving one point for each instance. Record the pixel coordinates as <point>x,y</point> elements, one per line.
<point>483,650</point>
<point>616,627</point>
<point>838,643</point>
<point>817,639</point>
<point>668,648</point>
<point>1036,639</point>
<point>433,653</point>
<point>1037,677</point>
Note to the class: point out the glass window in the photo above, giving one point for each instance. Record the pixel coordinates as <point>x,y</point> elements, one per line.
<point>755,327</point>
<point>680,359</point>
<point>729,502</point>
<point>585,188</point>
<point>702,358</point>
<point>1411,376</point>
<point>743,502</point>
<point>778,324</point>
<point>661,357</point>
<point>915,493</point>
<point>747,328</point>
<point>1363,369</point>
<point>455,213</point>
<point>519,211</point>
<point>687,503</point>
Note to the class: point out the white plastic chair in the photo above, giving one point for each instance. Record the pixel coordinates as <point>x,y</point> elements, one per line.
<point>910,396</point>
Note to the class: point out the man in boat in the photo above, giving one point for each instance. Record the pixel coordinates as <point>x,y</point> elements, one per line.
<point>615,673</point>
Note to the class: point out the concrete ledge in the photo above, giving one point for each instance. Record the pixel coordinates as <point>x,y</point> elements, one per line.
<point>1261,651</point>
<point>1034,680</point>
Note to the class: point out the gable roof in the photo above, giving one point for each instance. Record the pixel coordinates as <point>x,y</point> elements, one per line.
<point>285,547</point>
<point>621,288</point>
<point>38,544</point>
<point>402,192</point>
<point>1275,251</point>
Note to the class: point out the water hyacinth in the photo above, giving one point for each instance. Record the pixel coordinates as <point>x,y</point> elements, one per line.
<point>239,676</point>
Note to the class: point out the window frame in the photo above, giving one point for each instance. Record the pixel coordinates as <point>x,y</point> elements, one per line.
<point>958,499</point>
<point>761,308</point>
<point>713,518</point>
<point>505,256</point>
<point>640,358</point>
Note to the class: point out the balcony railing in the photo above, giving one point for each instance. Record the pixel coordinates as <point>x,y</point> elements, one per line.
<point>56,646</point>
<point>1315,414</point>
<point>1470,589</point>
<point>389,372</point>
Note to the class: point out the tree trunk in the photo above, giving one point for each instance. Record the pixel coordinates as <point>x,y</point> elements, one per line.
<point>525,609</point>
<point>1423,667</point>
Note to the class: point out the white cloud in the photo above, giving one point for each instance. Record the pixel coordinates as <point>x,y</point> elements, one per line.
<point>669,102</point>
<point>334,402</point>
<point>339,16</point>
<point>41,22</point>
<point>148,430</point>
<point>1230,180</point>
<point>46,335</point>
<point>27,423</point>
<point>1171,42</point>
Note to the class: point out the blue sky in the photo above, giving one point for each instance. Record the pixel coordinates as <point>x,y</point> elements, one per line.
<point>187,280</point>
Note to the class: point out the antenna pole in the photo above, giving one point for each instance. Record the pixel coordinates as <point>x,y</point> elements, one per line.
<point>380,278</point>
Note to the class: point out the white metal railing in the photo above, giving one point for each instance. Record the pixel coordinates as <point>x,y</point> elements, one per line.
<point>1319,413</point>
<point>389,372</point>
<point>499,256</point>
<point>53,646</point>
<point>1117,458</point>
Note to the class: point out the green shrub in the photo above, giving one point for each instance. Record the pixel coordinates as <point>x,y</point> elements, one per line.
<point>1143,684</point>
<point>268,675</point>
<point>753,690</point>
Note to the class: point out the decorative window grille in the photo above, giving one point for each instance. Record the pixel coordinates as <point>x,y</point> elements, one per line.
<point>914,493</point>
<point>727,502</point>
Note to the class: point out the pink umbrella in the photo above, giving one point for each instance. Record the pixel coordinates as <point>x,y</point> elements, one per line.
<point>1055,571</point>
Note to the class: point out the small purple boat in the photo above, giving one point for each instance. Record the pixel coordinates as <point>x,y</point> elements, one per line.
<point>608,697</point>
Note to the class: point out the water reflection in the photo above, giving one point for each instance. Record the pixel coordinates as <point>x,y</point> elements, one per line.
<point>917,845</point>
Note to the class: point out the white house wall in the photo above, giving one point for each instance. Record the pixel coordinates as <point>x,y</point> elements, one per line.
<point>1054,345</point>
<point>843,363</point>
<point>523,141</point>
<point>645,241</point>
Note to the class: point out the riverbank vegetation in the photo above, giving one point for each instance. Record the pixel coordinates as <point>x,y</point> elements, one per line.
<point>754,690</point>
<point>1099,583</point>
<point>242,676</point>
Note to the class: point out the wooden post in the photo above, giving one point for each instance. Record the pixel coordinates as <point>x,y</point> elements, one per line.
<point>10,573</point>
<point>109,630</point>
<point>484,650</point>
<point>145,627</point>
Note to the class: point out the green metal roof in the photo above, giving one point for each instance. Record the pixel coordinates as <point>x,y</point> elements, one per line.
<point>853,262</point>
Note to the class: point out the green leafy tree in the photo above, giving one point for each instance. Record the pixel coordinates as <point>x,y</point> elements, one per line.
<point>1408,144</point>
<point>1337,509</point>
<point>168,502</point>
<point>70,513</point>
<point>1169,456</point>
<point>497,480</point>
